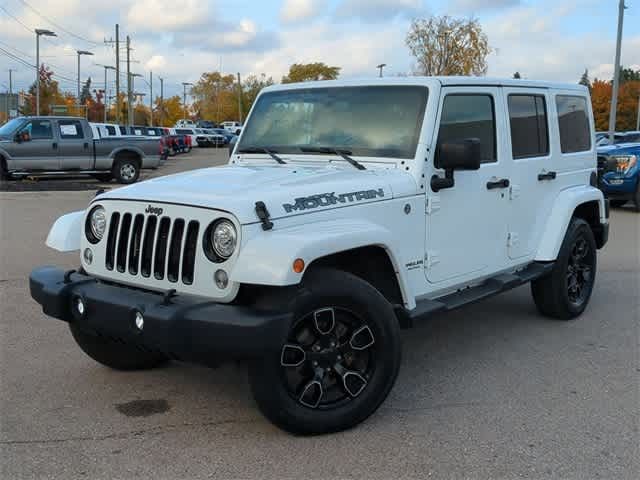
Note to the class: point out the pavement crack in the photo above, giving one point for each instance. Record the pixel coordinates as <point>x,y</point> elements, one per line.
<point>157,430</point>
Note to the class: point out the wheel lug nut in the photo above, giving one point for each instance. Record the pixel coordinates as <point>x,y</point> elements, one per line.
<point>314,363</point>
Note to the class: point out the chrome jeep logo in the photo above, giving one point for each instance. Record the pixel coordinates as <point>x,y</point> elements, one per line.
<point>154,210</point>
<point>327,199</point>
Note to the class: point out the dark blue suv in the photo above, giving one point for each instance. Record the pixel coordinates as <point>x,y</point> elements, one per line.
<point>619,173</point>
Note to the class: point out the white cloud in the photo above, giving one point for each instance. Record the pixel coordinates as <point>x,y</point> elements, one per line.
<point>301,10</point>
<point>156,62</point>
<point>478,5</point>
<point>379,10</point>
<point>158,15</point>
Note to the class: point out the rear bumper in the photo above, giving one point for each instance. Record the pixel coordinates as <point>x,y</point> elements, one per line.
<point>185,328</point>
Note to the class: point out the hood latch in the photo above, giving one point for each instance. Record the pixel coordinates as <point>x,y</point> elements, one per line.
<point>263,215</point>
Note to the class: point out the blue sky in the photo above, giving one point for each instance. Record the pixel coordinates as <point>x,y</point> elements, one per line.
<point>179,39</point>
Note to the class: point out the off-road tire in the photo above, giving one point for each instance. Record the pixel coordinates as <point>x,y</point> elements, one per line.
<point>126,170</point>
<point>4,174</point>
<point>112,354</point>
<point>617,203</point>
<point>326,289</point>
<point>551,293</point>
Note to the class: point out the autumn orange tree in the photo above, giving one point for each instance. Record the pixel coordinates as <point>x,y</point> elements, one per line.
<point>627,108</point>
<point>304,72</point>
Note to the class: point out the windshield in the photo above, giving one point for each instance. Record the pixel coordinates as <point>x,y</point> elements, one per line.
<point>9,127</point>
<point>369,121</point>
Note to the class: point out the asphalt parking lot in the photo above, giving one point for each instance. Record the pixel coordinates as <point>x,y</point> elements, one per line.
<point>492,390</point>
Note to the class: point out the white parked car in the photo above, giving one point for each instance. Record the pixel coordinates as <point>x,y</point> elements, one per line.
<point>233,127</point>
<point>185,124</point>
<point>348,210</point>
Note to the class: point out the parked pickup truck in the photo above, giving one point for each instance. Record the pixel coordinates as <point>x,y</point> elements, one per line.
<point>619,173</point>
<point>62,145</point>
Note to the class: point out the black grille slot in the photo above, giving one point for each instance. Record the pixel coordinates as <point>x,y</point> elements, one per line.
<point>111,241</point>
<point>136,244</point>
<point>147,246</point>
<point>189,255</point>
<point>175,247</point>
<point>121,255</point>
<point>161,248</point>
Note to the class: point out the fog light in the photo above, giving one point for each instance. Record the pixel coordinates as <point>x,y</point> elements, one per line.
<point>88,256</point>
<point>80,306</point>
<point>139,320</point>
<point>221,278</point>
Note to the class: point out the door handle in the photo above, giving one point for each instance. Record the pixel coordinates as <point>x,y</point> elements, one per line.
<point>547,176</point>
<point>502,183</point>
<point>86,145</point>
<point>55,145</point>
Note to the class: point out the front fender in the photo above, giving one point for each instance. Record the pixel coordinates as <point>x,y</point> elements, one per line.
<point>66,233</point>
<point>560,216</point>
<point>267,257</point>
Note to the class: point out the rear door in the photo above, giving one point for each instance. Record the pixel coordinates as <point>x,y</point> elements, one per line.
<point>533,179</point>
<point>75,149</point>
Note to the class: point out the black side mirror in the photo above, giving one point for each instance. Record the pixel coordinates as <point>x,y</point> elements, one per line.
<point>457,155</point>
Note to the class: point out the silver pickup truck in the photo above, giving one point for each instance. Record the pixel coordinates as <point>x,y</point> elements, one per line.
<point>66,145</point>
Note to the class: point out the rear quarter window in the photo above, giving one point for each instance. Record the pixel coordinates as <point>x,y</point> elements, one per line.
<point>573,123</point>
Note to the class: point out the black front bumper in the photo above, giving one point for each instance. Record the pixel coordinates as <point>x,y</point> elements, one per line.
<point>185,328</point>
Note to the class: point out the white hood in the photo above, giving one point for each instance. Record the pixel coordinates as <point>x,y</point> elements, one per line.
<point>236,189</point>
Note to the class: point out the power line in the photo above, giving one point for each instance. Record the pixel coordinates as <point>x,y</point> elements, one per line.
<point>57,25</point>
<point>16,19</point>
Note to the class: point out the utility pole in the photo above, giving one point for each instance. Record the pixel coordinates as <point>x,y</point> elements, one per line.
<point>616,73</point>
<point>380,67</point>
<point>151,97</point>
<point>161,101</point>
<point>129,92</point>
<point>184,98</point>
<point>637,119</point>
<point>10,93</point>
<point>239,99</point>
<point>117,73</point>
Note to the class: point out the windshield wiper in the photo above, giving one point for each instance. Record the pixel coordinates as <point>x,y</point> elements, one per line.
<point>271,153</point>
<point>342,153</point>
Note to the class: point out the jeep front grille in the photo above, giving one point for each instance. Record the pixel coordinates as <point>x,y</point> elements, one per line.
<point>148,245</point>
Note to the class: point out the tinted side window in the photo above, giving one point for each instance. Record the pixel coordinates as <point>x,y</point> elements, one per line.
<point>123,129</point>
<point>39,130</point>
<point>111,130</point>
<point>575,134</point>
<point>70,129</point>
<point>470,116</point>
<point>528,120</point>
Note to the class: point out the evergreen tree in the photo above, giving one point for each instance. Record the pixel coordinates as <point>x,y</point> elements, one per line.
<point>517,75</point>
<point>584,79</point>
<point>85,93</point>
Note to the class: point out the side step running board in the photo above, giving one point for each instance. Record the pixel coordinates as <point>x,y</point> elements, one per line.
<point>490,287</point>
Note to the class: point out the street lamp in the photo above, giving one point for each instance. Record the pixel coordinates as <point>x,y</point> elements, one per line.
<point>130,97</point>
<point>380,67</point>
<point>80,52</point>
<point>184,98</point>
<point>46,33</point>
<point>106,67</point>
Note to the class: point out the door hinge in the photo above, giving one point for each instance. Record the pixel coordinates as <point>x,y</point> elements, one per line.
<point>431,258</point>
<point>433,204</point>
<point>512,239</point>
<point>514,192</point>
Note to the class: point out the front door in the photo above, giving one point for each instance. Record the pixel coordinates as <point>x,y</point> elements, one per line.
<point>37,151</point>
<point>76,146</point>
<point>467,223</point>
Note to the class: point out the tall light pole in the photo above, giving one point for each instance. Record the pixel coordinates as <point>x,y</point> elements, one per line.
<point>80,53</point>
<point>184,98</point>
<point>380,67</point>
<point>106,67</point>
<point>161,101</point>
<point>130,118</point>
<point>46,33</point>
<point>616,74</point>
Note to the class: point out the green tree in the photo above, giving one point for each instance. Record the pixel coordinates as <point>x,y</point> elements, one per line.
<point>584,79</point>
<point>85,92</point>
<point>49,94</point>
<point>448,46</point>
<point>629,75</point>
<point>251,88</point>
<point>216,97</point>
<point>304,72</point>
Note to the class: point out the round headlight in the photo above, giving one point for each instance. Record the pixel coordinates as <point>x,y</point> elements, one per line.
<point>224,238</point>
<point>96,224</point>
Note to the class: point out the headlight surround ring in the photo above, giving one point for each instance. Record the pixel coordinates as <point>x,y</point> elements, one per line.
<point>96,224</point>
<point>221,240</point>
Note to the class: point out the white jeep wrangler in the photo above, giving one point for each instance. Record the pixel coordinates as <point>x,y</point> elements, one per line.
<point>349,209</point>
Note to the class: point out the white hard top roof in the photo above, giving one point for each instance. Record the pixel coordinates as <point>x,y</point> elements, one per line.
<point>431,81</point>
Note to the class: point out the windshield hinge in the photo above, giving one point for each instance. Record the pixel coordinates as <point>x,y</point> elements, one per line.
<point>263,215</point>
